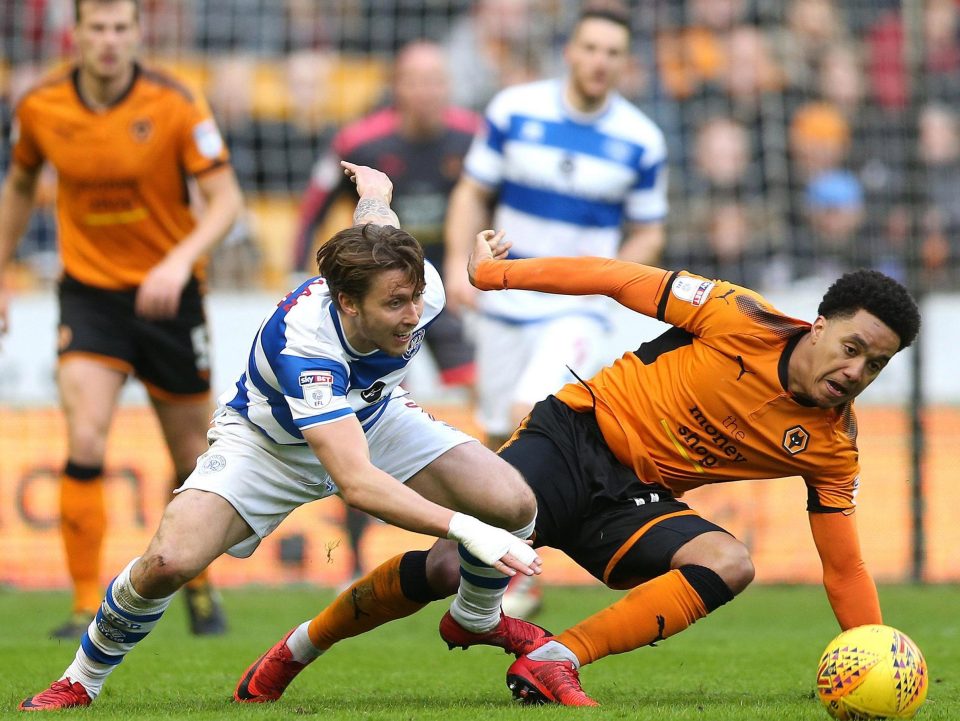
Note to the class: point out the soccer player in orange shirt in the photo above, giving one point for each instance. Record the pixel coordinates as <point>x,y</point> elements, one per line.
<point>736,390</point>
<point>122,138</point>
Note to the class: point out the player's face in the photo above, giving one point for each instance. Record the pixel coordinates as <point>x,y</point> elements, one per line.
<point>421,86</point>
<point>107,36</point>
<point>597,57</point>
<point>385,317</point>
<point>848,354</point>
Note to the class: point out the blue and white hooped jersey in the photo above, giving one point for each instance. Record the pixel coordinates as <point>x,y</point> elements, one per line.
<point>566,182</point>
<point>302,372</point>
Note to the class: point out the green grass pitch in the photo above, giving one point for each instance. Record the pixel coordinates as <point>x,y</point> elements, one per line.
<point>754,659</point>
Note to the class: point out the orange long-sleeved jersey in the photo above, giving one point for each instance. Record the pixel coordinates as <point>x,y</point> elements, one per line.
<point>708,401</point>
<point>122,201</point>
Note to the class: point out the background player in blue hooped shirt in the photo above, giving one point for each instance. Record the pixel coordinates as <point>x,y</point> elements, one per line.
<point>318,411</point>
<point>566,167</point>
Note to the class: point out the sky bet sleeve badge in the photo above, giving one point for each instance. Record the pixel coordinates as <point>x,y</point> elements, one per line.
<point>317,388</point>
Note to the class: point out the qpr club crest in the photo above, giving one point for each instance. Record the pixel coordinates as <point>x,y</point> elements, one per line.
<point>317,388</point>
<point>416,340</point>
<point>212,463</point>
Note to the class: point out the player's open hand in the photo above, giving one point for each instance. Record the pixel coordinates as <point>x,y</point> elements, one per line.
<point>494,546</point>
<point>158,297</point>
<point>520,561</point>
<point>489,245</point>
<point>369,181</point>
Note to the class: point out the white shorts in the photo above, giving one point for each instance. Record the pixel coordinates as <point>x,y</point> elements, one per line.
<point>524,363</point>
<point>265,481</point>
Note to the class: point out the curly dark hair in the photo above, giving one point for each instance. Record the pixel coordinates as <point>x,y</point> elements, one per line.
<point>351,258</point>
<point>879,295</point>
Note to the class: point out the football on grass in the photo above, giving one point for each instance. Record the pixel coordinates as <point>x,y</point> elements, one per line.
<point>872,672</point>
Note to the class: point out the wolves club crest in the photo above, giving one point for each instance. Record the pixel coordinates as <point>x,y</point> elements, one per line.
<point>141,129</point>
<point>795,440</point>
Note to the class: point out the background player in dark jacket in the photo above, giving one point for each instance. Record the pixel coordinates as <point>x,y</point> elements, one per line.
<point>419,141</point>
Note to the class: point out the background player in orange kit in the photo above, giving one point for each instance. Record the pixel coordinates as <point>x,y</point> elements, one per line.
<point>736,390</point>
<point>122,138</point>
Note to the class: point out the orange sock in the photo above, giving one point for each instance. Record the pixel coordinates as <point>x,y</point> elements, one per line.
<point>374,600</point>
<point>651,612</point>
<point>83,523</point>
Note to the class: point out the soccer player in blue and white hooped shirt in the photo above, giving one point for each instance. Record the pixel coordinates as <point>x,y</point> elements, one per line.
<point>318,411</point>
<point>570,168</point>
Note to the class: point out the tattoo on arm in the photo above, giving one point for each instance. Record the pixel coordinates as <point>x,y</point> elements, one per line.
<point>376,211</point>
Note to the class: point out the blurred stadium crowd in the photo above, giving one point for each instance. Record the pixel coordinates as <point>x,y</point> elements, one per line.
<point>805,137</point>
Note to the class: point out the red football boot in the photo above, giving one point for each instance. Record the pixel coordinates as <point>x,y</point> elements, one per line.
<point>513,635</point>
<point>61,694</point>
<point>539,682</point>
<point>268,676</point>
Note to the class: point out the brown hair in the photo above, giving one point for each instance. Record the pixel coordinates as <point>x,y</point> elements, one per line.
<point>78,3</point>
<point>611,10</point>
<point>351,258</point>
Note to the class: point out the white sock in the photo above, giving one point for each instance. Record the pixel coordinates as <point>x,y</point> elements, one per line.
<point>554,651</point>
<point>301,646</point>
<point>477,605</point>
<point>123,620</point>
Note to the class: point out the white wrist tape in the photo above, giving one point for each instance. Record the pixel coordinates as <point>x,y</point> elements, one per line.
<point>488,543</point>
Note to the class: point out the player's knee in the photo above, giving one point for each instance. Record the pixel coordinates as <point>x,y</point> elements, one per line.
<point>88,443</point>
<point>736,567</point>
<point>727,557</point>
<point>88,420</point>
<point>526,506</point>
<point>512,505</point>
<point>161,571</point>
<point>522,499</point>
<point>519,518</point>
<point>443,568</point>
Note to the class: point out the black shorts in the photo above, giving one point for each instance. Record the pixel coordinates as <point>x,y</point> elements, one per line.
<point>171,357</point>
<point>452,351</point>
<point>591,506</point>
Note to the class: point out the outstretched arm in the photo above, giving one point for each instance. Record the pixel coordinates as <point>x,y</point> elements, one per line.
<point>850,588</point>
<point>638,287</point>
<point>375,191</point>
<point>342,449</point>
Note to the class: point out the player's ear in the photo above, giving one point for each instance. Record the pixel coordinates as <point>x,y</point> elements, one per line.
<point>348,304</point>
<point>816,330</point>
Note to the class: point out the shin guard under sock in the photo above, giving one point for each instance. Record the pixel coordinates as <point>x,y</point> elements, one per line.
<point>375,599</point>
<point>83,523</point>
<point>649,613</point>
